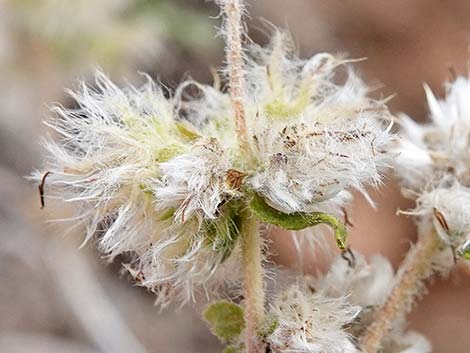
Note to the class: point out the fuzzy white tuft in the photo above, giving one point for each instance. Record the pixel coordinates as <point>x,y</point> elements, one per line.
<point>367,284</point>
<point>311,136</point>
<point>311,323</point>
<point>194,182</point>
<point>314,138</point>
<point>448,208</point>
<point>134,173</point>
<point>434,170</point>
<point>409,342</point>
<point>166,179</point>
<point>440,149</point>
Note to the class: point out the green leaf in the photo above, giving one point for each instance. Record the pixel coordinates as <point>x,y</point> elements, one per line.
<point>298,220</point>
<point>186,131</point>
<point>270,325</point>
<point>466,255</point>
<point>167,214</point>
<point>225,320</point>
<point>223,232</point>
<point>231,349</point>
<point>168,152</point>
<point>464,250</point>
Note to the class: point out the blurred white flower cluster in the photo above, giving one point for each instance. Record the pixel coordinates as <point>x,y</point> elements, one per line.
<point>309,322</point>
<point>433,164</point>
<point>328,313</point>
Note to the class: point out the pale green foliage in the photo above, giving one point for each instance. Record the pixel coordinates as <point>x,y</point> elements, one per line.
<point>231,349</point>
<point>465,254</point>
<point>225,320</point>
<point>222,233</point>
<point>298,220</point>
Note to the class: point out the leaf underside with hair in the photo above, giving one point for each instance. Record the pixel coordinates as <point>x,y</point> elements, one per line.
<point>298,220</point>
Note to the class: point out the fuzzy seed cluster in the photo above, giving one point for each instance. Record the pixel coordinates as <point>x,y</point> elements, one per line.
<point>161,177</point>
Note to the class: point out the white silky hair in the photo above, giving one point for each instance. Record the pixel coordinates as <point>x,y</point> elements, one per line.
<point>311,323</point>
<point>366,285</point>
<point>441,148</point>
<point>312,138</point>
<point>149,171</point>
<point>326,138</point>
<point>446,208</point>
<point>194,181</point>
<point>105,165</point>
<point>434,171</point>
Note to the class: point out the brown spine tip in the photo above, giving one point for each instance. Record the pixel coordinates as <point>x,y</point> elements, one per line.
<point>41,188</point>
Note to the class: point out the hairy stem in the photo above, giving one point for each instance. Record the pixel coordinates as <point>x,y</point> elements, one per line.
<point>253,282</point>
<point>233,10</point>
<point>415,269</point>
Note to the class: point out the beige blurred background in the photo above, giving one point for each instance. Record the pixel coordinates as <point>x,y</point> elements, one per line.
<point>55,297</point>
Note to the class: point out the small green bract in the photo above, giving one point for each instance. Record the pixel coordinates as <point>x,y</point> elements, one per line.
<point>225,320</point>
<point>298,220</point>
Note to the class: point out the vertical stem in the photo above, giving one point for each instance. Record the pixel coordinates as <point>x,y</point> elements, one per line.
<point>416,268</point>
<point>251,243</point>
<point>233,10</point>
<point>253,283</point>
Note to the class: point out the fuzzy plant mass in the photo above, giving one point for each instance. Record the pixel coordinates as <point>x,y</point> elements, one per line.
<point>440,150</point>
<point>183,186</point>
<point>165,179</point>
<point>432,166</point>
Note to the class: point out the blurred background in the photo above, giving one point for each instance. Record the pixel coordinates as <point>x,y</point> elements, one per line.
<point>55,297</point>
